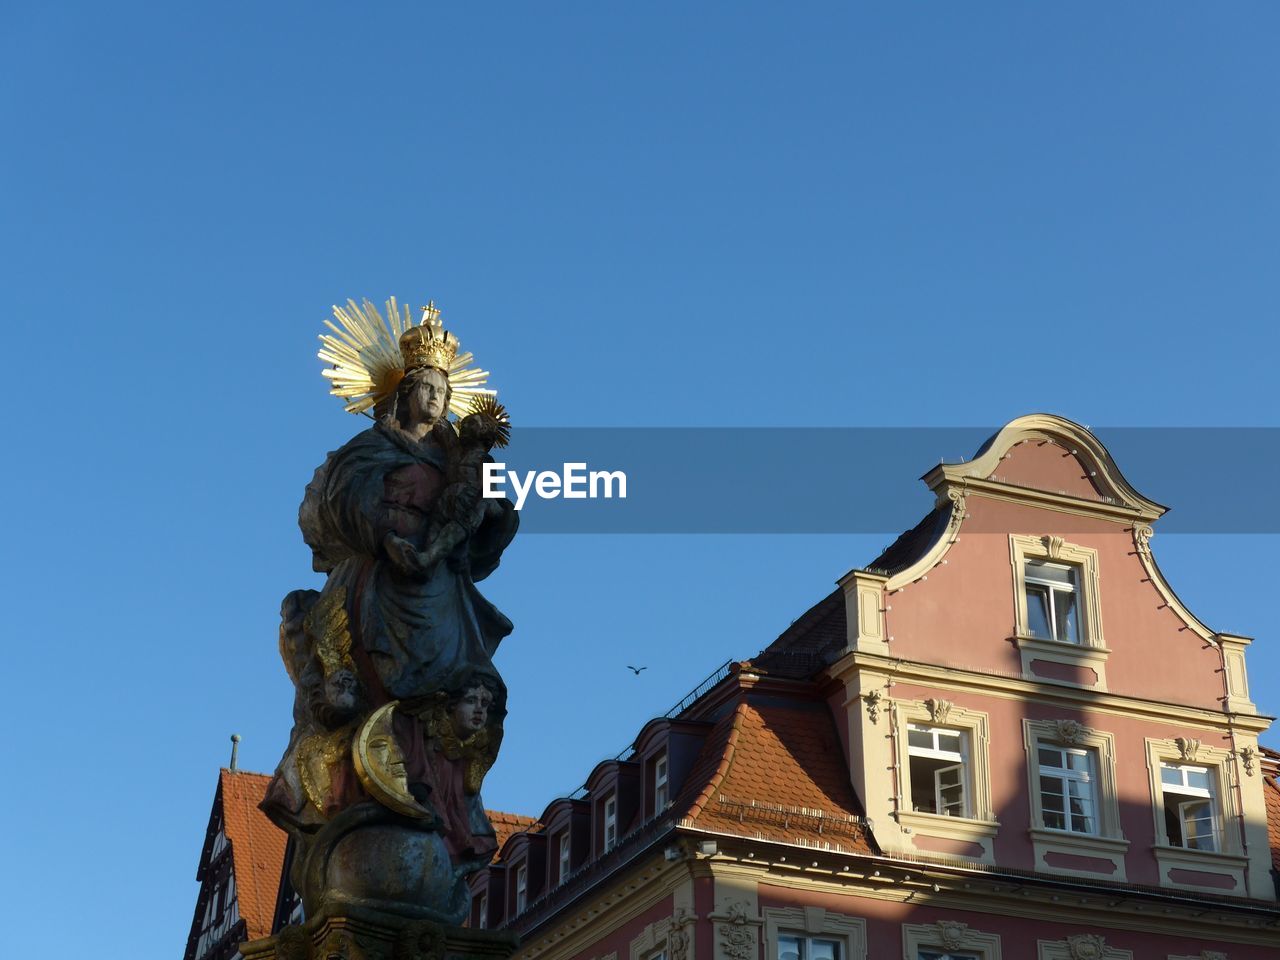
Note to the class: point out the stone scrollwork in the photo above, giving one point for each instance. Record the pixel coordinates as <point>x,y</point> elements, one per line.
<point>1070,732</point>
<point>951,933</point>
<point>1247,757</point>
<point>1188,748</point>
<point>736,932</point>
<point>1053,546</point>
<point>1086,946</point>
<point>679,940</point>
<point>874,699</point>
<point>1142,534</point>
<point>939,710</point>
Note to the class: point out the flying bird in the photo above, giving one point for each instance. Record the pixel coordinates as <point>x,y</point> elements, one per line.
<point>636,670</point>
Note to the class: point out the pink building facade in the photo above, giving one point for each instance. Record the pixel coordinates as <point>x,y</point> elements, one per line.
<point>1006,737</point>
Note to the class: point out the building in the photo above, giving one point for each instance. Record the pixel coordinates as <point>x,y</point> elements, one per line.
<point>1004,739</point>
<point>239,871</point>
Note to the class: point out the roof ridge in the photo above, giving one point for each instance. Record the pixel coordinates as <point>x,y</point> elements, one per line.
<point>726,760</point>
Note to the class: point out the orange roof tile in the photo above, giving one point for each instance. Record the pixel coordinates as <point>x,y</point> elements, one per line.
<point>779,775</point>
<point>506,824</point>
<point>257,848</point>
<point>1272,793</point>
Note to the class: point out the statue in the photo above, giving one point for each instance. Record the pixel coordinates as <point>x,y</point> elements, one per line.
<point>398,708</point>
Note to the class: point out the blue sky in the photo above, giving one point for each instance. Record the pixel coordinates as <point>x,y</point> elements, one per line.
<point>735,214</point>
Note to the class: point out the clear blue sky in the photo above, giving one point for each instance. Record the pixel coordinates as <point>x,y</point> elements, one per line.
<point>643,214</point>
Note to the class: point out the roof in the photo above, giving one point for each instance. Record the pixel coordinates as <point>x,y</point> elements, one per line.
<point>257,848</point>
<point>772,769</point>
<point>505,825</point>
<point>1271,792</point>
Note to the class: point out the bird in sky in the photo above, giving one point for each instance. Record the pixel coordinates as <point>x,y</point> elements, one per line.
<point>636,670</point>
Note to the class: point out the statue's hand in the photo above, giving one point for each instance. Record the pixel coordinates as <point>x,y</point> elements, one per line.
<point>403,555</point>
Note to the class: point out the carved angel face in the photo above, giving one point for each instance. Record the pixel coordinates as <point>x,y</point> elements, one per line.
<point>340,689</point>
<point>472,711</point>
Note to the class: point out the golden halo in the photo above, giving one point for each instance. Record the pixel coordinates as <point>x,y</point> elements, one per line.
<point>367,364</point>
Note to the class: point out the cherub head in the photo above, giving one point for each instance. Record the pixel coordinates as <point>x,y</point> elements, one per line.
<point>470,711</point>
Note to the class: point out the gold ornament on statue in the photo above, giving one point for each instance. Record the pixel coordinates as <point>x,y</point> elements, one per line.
<point>369,355</point>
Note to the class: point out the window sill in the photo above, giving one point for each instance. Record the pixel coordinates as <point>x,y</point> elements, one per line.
<point>1078,655</point>
<point>938,825</point>
<point>1079,854</point>
<point>1201,864</point>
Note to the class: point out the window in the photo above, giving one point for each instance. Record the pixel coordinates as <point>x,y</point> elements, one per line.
<point>791,947</point>
<point>935,955</point>
<point>1190,810</point>
<point>948,940</point>
<point>939,778</point>
<point>482,920</point>
<point>1068,776</point>
<point>564,857</point>
<point>610,823</point>
<point>660,798</point>
<point>1075,801</point>
<point>1052,609</point>
<point>522,888</point>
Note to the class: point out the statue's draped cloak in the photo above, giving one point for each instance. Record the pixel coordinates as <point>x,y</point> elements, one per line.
<point>419,636</point>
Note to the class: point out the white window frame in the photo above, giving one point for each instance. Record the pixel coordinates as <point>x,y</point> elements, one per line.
<point>815,923</point>
<point>565,857</point>
<point>1192,795</point>
<point>1182,862</point>
<point>959,761</point>
<point>980,826</point>
<point>1108,843</point>
<point>1090,653</point>
<point>1052,590</point>
<point>1067,774</point>
<point>661,784</point>
<point>522,889</point>
<point>946,937</point>
<point>609,837</point>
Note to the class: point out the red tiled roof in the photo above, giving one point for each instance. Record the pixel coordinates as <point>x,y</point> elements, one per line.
<point>779,774</point>
<point>506,824</point>
<point>257,848</point>
<point>1271,790</point>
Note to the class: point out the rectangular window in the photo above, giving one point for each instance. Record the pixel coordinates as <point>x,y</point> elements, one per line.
<point>564,856</point>
<point>937,955</point>
<point>794,947</point>
<point>1067,795</point>
<point>1190,810</point>
<point>522,888</point>
<point>660,799</point>
<point>482,920</point>
<point>1052,601</point>
<point>610,823</point>
<point>939,770</point>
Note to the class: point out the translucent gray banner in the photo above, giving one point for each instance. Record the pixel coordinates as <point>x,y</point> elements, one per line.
<point>847,480</point>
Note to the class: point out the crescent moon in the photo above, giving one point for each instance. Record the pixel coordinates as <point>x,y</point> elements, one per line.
<point>379,764</point>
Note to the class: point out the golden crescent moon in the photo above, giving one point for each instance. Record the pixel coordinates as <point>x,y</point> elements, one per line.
<point>379,764</point>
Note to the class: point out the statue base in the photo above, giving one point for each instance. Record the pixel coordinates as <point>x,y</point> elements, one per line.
<point>373,935</point>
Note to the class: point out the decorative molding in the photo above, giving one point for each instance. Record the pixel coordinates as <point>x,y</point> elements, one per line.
<point>1070,732</point>
<point>1202,955</point>
<point>655,936</point>
<point>1053,546</point>
<point>873,699</point>
<point>816,922</point>
<point>680,937</point>
<point>1188,747</point>
<point>735,928</point>
<point>948,935</point>
<point>1081,946</point>
<point>1247,757</point>
<point>939,710</point>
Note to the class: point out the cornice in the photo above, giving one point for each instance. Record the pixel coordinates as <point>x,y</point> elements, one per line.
<point>1045,692</point>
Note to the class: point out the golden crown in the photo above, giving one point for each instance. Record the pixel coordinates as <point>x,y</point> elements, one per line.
<point>428,344</point>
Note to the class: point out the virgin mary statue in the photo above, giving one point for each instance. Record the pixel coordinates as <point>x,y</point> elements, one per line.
<point>398,707</point>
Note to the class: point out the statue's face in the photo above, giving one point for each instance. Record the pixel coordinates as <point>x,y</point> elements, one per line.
<point>472,711</point>
<point>340,689</point>
<point>428,396</point>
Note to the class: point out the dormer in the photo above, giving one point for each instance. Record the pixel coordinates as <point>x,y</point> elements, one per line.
<point>525,858</point>
<point>567,828</point>
<point>666,750</point>
<point>614,792</point>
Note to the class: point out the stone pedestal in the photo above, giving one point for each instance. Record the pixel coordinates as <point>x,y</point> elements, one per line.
<point>360,935</point>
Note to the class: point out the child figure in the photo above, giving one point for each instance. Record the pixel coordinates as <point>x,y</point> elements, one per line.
<point>462,508</point>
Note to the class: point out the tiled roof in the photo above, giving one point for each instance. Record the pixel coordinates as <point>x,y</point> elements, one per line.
<point>257,848</point>
<point>1271,790</point>
<point>506,824</point>
<point>773,770</point>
